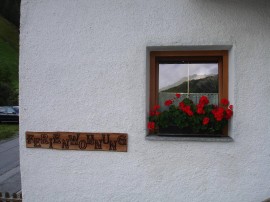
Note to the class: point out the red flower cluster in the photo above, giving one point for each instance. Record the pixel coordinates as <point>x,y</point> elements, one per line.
<point>168,102</point>
<point>212,118</point>
<point>228,114</point>
<point>151,125</point>
<point>155,111</point>
<point>225,102</point>
<point>181,105</point>
<point>218,113</point>
<point>185,108</point>
<point>206,120</point>
<point>156,107</point>
<point>200,109</point>
<point>203,100</point>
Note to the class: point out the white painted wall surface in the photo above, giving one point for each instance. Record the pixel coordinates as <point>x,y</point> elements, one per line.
<point>83,67</point>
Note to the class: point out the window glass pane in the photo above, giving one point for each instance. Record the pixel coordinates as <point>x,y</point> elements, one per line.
<point>193,80</point>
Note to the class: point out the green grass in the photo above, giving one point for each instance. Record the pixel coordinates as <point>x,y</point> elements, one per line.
<point>9,64</point>
<point>8,130</point>
<point>9,33</point>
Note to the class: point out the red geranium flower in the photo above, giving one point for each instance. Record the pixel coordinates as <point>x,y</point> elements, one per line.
<point>186,109</point>
<point>152,113</point>
<point>181,105</point>
<point>155,111</point>
<point>228,114</point>
<point>178,95</point>
<point>168,102</point>
<point>156,107</point>
<point>231,107</point>
<point>151,125</point>
<point>206,120</point>
<point>204,100</point>
<point>200,109</point>
<point>218,113</point>
<point>189,112</point>
<point>224,101</point>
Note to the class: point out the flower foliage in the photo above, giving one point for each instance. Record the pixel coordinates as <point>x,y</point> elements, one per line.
<point>189,117</point>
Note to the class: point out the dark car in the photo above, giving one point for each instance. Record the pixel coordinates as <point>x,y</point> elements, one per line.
<point>9,114</point>
<point>16,108</point>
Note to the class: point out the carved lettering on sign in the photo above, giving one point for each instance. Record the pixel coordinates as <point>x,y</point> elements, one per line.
<point>77,141</point>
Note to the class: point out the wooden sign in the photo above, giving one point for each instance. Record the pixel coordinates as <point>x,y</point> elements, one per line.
<point>77,141</point>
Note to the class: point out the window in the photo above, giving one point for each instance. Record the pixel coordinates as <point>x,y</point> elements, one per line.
<point>190,73</point>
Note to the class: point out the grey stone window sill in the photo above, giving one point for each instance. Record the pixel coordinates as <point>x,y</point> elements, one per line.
<point>182,137</point>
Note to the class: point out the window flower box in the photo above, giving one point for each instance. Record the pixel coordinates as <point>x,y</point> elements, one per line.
<point>188,119</point>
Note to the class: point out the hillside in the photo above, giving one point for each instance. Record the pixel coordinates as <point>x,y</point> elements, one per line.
<point>205,85</point>
<point>9,61</point>
<point>191,77</point>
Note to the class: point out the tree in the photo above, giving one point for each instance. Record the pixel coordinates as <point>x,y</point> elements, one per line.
<point>10,9</point>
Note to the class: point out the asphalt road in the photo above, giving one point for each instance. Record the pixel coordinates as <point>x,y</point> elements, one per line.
<point>10,177</point>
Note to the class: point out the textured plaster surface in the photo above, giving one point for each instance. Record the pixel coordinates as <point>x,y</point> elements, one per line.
<point>84,67</point>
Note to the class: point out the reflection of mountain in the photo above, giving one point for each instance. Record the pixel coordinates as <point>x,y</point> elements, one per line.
<point>197,84</point>
<point>191,77</point>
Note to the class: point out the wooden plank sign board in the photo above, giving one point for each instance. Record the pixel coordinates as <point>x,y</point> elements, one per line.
<point>77,141</point>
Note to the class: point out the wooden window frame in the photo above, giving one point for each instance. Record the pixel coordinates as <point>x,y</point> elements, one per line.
<point>206,56</point>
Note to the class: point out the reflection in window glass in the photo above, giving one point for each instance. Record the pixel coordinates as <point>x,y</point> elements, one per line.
<point>191,80</point>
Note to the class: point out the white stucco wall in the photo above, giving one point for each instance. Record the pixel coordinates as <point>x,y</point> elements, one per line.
<point>83,67</point>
